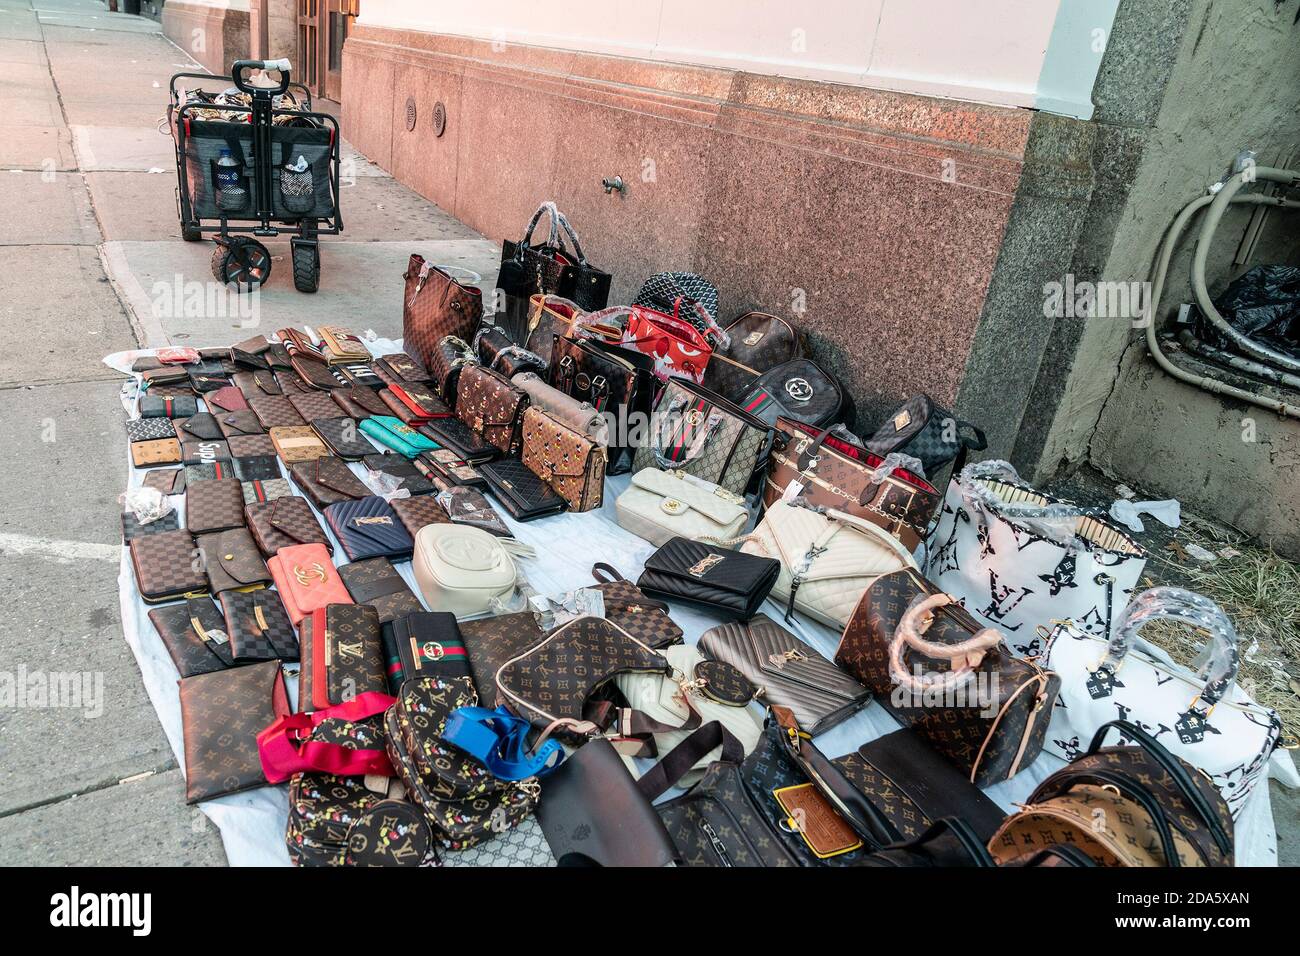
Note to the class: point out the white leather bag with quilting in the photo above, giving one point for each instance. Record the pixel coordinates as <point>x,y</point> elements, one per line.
<point>827,559</point>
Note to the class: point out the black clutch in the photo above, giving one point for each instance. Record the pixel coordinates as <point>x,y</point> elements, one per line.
<point>524,495</point>
<point>729,581</point>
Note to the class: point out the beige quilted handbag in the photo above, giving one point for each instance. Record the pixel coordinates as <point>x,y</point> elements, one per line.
<point>827,559</point>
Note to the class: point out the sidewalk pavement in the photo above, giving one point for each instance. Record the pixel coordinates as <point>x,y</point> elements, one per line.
<point>91,262</point>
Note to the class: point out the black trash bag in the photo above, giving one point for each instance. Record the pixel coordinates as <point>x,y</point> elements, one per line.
<point>1264,305</point>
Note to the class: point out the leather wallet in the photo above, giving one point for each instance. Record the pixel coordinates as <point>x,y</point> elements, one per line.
<point>523,494</point>
<point>165,481</point>
<point>342,436</point>
<point>342,345</point>
<point>202,452</point>
<point>194,635</point>
<point>360,402</point>
<point>231,560</point>
<point>132,528</point>
<point>201,427</point>
<point>260,491</point>
<point>275,411</point>
<point>165,406</point>
<point>163,451</point>
<point>404,368</point>
<point>731,582</point>
<point>421,400</point>
<point>207,382</point>
<point>314,372</point>
<point>297,443</point>
<point>228,399</point>
<point>399,409</point>
<point>222,713</point>
<point>258,627</point>
<point>311,405</point>
<point>289,381</point>
<point>277,356</point>
<point>400,437</point>
<point>427,644</point>
<point>256,467</point>
<point>255,383</point>
<point>368,528</point>
<point>163,375</point>
<point>240,423</point>
<point>397,466</point>
<point>375,581</point>
<point>593,814</point>
<point>347,654</point>
<point>456,436</point>
<point>167,566</point>
<point>446,469</point>
<point>357,375</point>
<point>248,446</point>
<point>284,522</point>
<point>213,505</point>
<point>304,672</point>
<point>150,429</point>
<point>327,480</point>
<point>791,673</point>
<point>209,471</point>
<point>306,580</point>
<point>415,513</point>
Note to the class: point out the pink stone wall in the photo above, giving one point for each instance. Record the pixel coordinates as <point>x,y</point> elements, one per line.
<point>881,213</point>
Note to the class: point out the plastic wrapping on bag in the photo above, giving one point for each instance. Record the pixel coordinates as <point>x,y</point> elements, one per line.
<point>896,461</point>
<point>1055,522</point>
<point>384,485</point>
<point>146,504</point>
<point>1262,304</point>
<point>1219,659</point>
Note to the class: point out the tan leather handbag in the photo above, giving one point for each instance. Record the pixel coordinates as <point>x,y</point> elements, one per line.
<point>582,417</point>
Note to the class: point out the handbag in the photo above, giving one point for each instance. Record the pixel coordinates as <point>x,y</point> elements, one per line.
<point>829,471</point>
<point>800,391</point>
<point>660,505</point>
<point>1203,717</point>
<point>1135,805</point>
<point>705,435</point>
<point>499,352</point>
<point>827,560</point>
<point>667,292</point>
<point>434,306</point>
<point>528,269</point>
<point>553,316</point>
<point>445,363</point>
<point>930,433</point>
<point>679,349</point>
<point>461,569</point>
<point>491,407</point>
<point>582,417</point>
<point>733,583</point>
<point>616,382</point>
<point>956,683</point>
<point>571,463</point>
<point>789,672</point>
<point>344,739</point>
<point>1019,559</point>
<point>756,342</point>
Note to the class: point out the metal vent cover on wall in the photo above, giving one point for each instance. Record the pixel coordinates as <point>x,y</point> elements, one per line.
<point>410,113</point>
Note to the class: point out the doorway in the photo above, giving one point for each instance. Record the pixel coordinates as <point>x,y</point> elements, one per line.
<point>323,26</point>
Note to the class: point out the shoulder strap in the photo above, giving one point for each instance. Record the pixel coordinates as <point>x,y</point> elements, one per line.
<point>499,740</point>
<point>678,762</point>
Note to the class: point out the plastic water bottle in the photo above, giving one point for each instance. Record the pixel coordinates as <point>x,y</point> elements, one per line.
<point>227,172</point>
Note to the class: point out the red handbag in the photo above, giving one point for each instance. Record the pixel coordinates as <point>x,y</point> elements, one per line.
<point>678,348</point>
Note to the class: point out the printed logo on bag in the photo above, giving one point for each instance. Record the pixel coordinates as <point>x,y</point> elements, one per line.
<point>702,566</point>
<point>694,417</point>
<point>352,650</point>
<point>208,451</point>
<point>902,420</point>
<point>753,338</point>
<point>311,574</point>
<point>429,651</point>
<point>799,389</point>
<point>131,910</point>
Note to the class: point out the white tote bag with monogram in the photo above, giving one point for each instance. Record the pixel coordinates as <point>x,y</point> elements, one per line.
<point>1019,560</point>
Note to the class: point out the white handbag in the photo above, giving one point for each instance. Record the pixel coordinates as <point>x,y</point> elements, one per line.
<point>1202,717</point>
<point>1018,559</point>
<point>827,560</point>
<point>661,505</point>
<point>663,698</point>
<point>461,569</point>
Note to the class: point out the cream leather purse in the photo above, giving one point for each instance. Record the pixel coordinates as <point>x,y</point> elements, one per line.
<point>661,505</point>
<point>827,560</point>
<point>461,569</point>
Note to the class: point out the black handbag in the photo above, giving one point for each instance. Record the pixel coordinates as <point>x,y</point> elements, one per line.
<point>550,268</point>
<point>799,390</point>
<point>929,432</point>
<point>732,582</point>
<point>685,295</point>
<point>614,381</point>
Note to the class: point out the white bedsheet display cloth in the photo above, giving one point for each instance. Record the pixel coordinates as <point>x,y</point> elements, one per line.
<point>252,823</point>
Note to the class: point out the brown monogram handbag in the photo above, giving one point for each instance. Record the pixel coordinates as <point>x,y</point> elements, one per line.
<point>571,463</point>
<point>434,305</point>
<point>489,404</point>
<point>932,666</point>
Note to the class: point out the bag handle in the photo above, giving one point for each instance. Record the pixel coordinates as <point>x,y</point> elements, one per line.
<point>499,740</point>
<point>964,656</point>
<point>675,408</point>
<point>553,214</point>
<point>1177,604</point>
<point>284,746</point>
<point>681,759</point>
<point>573,237</point>
<point>1172,766</point>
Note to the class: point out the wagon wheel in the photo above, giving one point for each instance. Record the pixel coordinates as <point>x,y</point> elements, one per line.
<point>306,266</point>
<point>241,262</point>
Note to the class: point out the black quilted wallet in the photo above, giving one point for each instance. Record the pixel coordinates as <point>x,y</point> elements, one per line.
<point>524,495</point>
<point>453,434</point>
<point>729,581</point>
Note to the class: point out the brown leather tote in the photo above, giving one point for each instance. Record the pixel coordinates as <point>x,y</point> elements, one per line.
<point>434,305</point>
<point>931,665</point>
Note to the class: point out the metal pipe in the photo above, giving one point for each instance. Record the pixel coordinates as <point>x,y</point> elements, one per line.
<point>1246,366</point>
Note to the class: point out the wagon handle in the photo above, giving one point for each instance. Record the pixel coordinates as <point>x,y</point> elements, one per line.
<point>241,67</point>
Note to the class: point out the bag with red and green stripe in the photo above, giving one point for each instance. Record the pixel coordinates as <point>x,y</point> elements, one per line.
<point>700,433</point>
<point>800,390</point>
